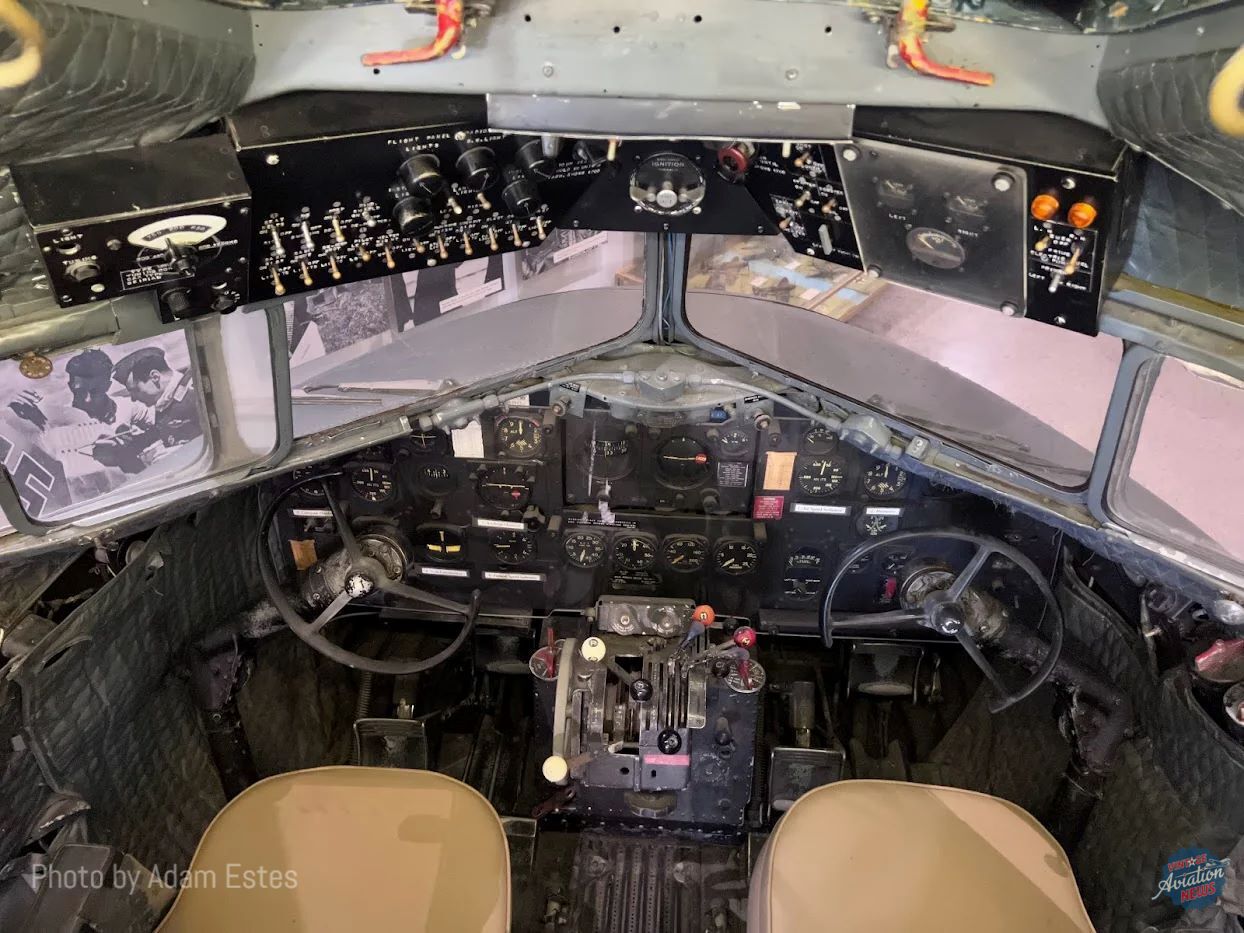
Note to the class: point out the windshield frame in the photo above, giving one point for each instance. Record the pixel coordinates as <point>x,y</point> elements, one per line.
<point>1152,325</point>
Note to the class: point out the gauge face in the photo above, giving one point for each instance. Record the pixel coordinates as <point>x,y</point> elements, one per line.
<point>819,441</point>
<point>876,525</point>
<point>428,442</point>
<point>606,458</point>
<point>684,553</point>
<point>520,438</point>
<point>505,487</point>
<point>372,483</point>
<point>736,556</point>
<point>735,441</point>
<point>634,552</point>
<point>804,574</point>
<point>884,480</point>
<point>512,547</point>
<point>436,479</point>
<point>312,490</point>
<point>585,549</point>
<point>683,462</point>
<point>442,543</point>
<point>822,476</point>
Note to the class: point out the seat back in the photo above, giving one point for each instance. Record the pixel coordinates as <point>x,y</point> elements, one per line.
<point>346,848</point>
<point>894,856</point>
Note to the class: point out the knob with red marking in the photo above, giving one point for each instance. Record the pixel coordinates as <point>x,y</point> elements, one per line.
<point>745,636</point>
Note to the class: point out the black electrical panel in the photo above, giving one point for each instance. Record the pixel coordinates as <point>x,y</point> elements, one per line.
<point>174,217</point>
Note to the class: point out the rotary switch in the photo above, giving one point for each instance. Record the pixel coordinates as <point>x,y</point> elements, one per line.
<point>532,159</point>
<point>520,193</point>
<point>667,183</point>
<point>421,176</point>
<point>477,165</point>
<point>412,216</point>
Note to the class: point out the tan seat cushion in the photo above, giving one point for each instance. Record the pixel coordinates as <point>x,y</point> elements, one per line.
<point>365,849</point>
<point>891,856</point>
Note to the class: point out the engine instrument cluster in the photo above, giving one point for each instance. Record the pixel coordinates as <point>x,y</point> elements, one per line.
<point>749,517</point>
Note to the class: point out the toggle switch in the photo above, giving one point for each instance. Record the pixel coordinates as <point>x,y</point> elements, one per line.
<point>492,239</point>
<point>338,233</point>
<point>332,266</point>
<point>278,287</point>
<point>306,275</point>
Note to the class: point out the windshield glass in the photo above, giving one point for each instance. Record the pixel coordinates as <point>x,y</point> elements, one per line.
<point>1170,487</point>
<point>361,349</point>
<point>1025,393</point>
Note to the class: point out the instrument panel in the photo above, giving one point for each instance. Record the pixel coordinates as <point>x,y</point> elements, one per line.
<point>1026,214</point>
<point>752,518</point>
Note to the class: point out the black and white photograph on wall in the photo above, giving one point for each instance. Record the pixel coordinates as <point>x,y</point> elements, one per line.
<point>439,290</point>
<point>325,322</point>
<point>102,419</point>
<point>558,247</point>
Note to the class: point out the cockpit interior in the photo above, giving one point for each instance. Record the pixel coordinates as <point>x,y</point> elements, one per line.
<point>742,468</point>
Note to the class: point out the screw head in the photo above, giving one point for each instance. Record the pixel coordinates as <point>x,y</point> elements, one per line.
<point>1060,321</point>
<point>874,272</point>
<point>792,74</point>
<point>272,159</point>
<point>1069,183</point>
<point>547,70</point>
<point>1003,182</point>
<point>850,153</point>
<point>1009,308</point>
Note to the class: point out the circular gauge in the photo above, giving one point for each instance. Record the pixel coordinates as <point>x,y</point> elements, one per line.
<point>607,458</point>
<point>683,462</point>
<point>584,549</point>
<point>804,576</point>
<point>884,480</point>
<point>634,552</point>
<point>441,543</point>
<point>505,487</point>
<point>372,483</point>
<point>874,525</point>
<point>428,442</point>
<point>736,556</point>
<point>735,442</point>
<point>312,490</point>
<point>520,438</point>
<point>745,677</point>
<point>684,553</point>
<point>819,441</point>
<point>936,248</point>
<point>821,476</point>
<point>512,547</point>
<point>435,479</point>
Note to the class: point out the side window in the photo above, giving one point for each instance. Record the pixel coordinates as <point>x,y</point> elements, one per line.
<point>1180,482</point>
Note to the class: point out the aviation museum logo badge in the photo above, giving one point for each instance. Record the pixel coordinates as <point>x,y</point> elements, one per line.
<point>1194,878</point>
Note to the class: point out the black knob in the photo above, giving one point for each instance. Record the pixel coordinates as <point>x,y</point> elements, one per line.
<point>478,166</point>
<point>669,742</point>
<point>413,216</point>
<point>421,174</point>
<point>641,690</point>
<point>710,500</point>
<point>178,302</point>
<point>520,193</point>
<point>532,159</point>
